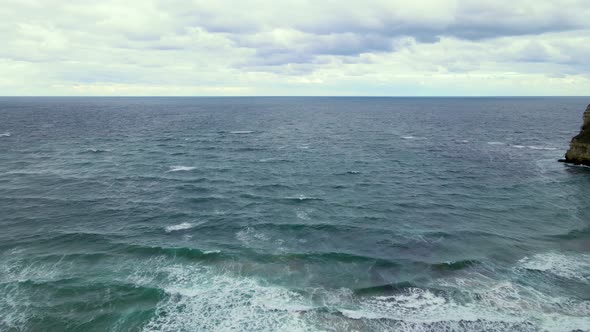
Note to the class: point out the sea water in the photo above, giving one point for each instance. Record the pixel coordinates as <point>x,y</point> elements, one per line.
<point>292,214</point>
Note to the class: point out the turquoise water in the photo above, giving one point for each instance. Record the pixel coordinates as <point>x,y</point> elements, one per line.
<point>292,214</point>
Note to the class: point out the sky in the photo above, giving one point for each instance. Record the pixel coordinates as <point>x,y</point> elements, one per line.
<point>268,48</point>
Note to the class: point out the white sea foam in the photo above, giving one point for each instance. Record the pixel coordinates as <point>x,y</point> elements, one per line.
<point>302,214</point>
<point>303,198</point>
<point>241,132</point>
<point>6,134</point>
<point>251,237</point>
<point>493,305</point>
<point>567,266</point>
<point>495,143</point>
<point>203,299</point>
<point>412,137</point>
<point>179,227</point>
<point>267,160</point>
<point>206,298</point>
<point>533,147</point>
<point>181,168</point>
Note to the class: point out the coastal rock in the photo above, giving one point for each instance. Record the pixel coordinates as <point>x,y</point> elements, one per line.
<point>579,151</point>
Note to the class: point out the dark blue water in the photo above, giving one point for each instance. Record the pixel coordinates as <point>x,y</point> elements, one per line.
<point>292,214</point>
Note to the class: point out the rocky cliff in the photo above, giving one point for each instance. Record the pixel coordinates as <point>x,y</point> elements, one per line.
<point>579,151</point>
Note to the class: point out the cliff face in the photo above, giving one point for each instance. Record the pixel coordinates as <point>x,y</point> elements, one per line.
<point>579,151</point>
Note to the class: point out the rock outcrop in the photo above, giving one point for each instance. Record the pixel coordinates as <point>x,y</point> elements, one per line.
<point>579,151</point>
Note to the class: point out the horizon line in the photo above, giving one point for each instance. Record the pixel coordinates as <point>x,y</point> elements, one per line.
<point>288,96</point>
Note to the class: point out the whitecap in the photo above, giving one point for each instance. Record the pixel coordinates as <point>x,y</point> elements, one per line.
<point>250,237</point>
<point>533,147</point>
<point>303,198</point>
<point>202,298</point>
<point>519,146</point>
<point>181,168</point>
<point>495,143</point>
<point>6,134</point>
<point>567,266</point>
<point>301,214</point>
<point>178,227</point>
<point>412,137</point>
<point>502,306</point>
<point>241,132</point>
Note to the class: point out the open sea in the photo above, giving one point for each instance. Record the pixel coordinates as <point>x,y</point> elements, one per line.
<point>292,214</point>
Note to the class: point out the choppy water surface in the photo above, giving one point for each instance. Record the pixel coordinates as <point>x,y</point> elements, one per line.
<point>292,214</point>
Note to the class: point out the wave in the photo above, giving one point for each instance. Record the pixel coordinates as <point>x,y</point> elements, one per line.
<point>495,307</point>
<point>204,299</point>
<point>574,235</point>
<point>455,266</point>
<point>181,252</point>
<point>24,303</point>
<point>384,289</point>
<point>164,139</point>
<point>6,134</point>
<point>73,238</point>
<point>275,160</point>
<point>238,132</point>
<point>302,198</point>
<point>97,150</point>
<point>247,149</point>
<point>180,295</point>
<point>339,257</point>
<point>181,168</point>
<point>353,172</point>
<point>206,199</point>
<point>311,227</point>
<point>495,143</point>
<point>569,266</point>
<point>178,227</point>
<point>532,147</point>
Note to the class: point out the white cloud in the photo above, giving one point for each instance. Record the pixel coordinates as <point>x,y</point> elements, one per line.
<point>392,47</point>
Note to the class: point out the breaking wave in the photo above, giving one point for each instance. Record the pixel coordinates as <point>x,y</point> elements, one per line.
<point>181,168</point>
<point>178,227</point>
<point>575,267</point>
<point>200,298</point>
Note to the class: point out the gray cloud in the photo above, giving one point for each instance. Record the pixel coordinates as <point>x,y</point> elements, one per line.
<point>210,44</point>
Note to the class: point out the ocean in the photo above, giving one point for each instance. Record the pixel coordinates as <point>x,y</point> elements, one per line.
<point>292,214</point>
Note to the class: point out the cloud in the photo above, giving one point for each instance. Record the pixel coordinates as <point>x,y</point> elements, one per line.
<point>284,47</point>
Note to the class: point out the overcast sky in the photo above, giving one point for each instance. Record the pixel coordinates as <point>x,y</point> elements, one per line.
<point>369,47</point>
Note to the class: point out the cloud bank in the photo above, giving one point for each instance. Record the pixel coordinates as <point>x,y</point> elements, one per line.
<point>371,47</point>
